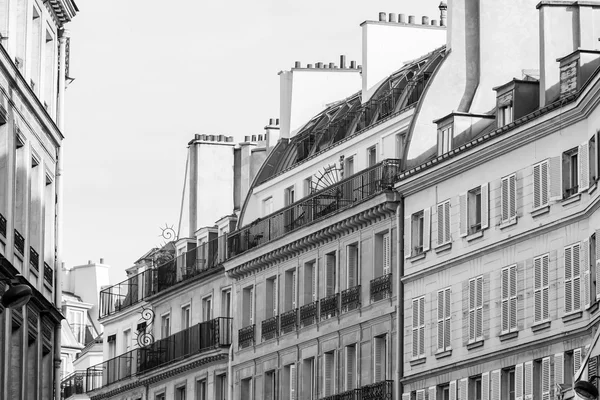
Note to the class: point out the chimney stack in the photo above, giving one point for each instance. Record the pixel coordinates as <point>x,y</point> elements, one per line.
<point>443,8</point>
<point>297,64</point>
<point>319,65</point>
<point>382,17</point>
<point>309,66</point>
<point>393,17</point>
<point>425,20</point>
<point>402,18</point>
<point>352,64</point>
<point>101,260</point>
<point>411,19</point>
<point>342,61</point>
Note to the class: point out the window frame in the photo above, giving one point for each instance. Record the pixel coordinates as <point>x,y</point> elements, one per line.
<point>475,308</point>
<point>165,317</point>
<point>541,174</point>
<point>444,319</point>
<point>418,327</point>
<point>542,290</point>
<point>508,198</point>
<point>509,299</point>
<point>574,279</point>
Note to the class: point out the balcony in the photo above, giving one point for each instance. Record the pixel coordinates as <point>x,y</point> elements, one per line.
<point>346,193</point>
<point>381,288</point>
<point>34,259</point>
<point>289,321</point>
<point>196,339</point>
<point>270,328</point>
<point>19,242</point>
<point>309,313</point>
<point>48,274</point>
<point>145,284</point>
<point>73,384</point>
<point>329,306</point>
<point>377,391</point>
<point>350,299</point>
<point>2,225</point>
<point>246,336</point>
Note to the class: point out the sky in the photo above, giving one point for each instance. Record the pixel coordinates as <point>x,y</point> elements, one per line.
<point>149,74</point>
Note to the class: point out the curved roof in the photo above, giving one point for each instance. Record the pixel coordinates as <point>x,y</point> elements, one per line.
<point>350,116</point>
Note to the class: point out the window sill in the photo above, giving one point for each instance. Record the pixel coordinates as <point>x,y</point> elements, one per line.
<point>417,257</point>
<point>571,199</point>
<point>593,188</point>
<point>443,354</point>
<point>540,326</point>
<point>540,211</point>
<point>418,361</point>
<point>509,335</point>
<point>443,247</point>
<point>593,307</point>
<point>475,235</point>
<point>474,345</point>
<point>572,316</point>
<point>510,222</point>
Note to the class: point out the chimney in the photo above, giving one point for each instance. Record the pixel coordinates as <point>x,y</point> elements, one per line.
<point>101,260</point>
<point>402,18</point>
<point>443,7</point>
<point>352,64</point>
<point>271,134</point>
<point>319,65</point>
<point>382,17</point>
<point>434,22</point>
<point>425,20</point>
<point>297,64</point>
<point>393,17</point>
<point>309,66</point>
<point>411,19</point>
<point>342,61</point>
<point>331,65</point>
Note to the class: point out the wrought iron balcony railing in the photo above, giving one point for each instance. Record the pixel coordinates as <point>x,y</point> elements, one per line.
<point>196,339</point>
<point>351,299</point>
<point>73,384</point>
<point>381,288</point>
<point>34,259</point>
<point>246,336</point>
<point>376,391</point>
<point>345,193</point>
<point>270,328</point>
<point>48,274</point>
<point>329,306</point>
<point>309,313</point>
<point>353,394</point>
<point>2,225</point>
<point>19,242</point>
<point>289,321</point>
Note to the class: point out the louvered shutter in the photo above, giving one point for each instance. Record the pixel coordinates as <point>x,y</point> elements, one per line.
<point>464,216</point>
<point>405,396</point>
<point>585,271</point>
<point>555,174</point>
<point>407,237</point>
<point>546,289</point>
<point>593,369</point>
<point>528,380</point>
<point>453,390</point>
<point>422,326</point>
<point>513,297</point>
<point>576,361</point>
<point>512,197</point>
<point>426,229</point>
<point>462,389</point>
<point>379,359</point>
<point>597,261</point>
<point>485,206</point>
<point>479,315</point>
<point>495,385</point>
<point>559,367</point>
<point>440,224</point>
<point>386,254</point>
<point>440,320</point>
<point>519,382</point>
<point>447,221</point>
<point>472,296</point>
<point>576,277</point>
<point>432,392</point>
<point>583,167</point>
<point>315,273</point>
<point>485,386</point>
<point>546,378</point>
<point>328,373</point>
<point>415,328</point>
<point>447,316</point>
<point>352,265</point>
<point>568,279</point>
<point>537,186</point>
<point>294,290</point>
<point>275,296</point>
<point>251,305</point>
<point>293,382</point>
<point>504,199</point>
<point>350,366</point>
<point>421,394</point>
<point>330,271</point>
<point>505,300</point>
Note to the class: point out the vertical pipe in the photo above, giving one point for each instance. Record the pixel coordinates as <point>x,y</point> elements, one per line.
<point>399,296</point>
<point>193,204</point>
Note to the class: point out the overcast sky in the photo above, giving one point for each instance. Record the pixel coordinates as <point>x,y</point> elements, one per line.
<point>149,74</point>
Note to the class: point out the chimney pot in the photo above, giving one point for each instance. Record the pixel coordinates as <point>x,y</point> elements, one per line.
<point>342,61</point>
<point>308,65</point>
<point>197,136</point>
<point>260,138</point>
<point>443,7</point>
<point>393,17</point>
<point>246,138</point>
<point>411,19</point>
<point>277,121</point>
<point>230,139</point>
<point>331,65</point>
<point>359,67</point>
<point>352,64</point>
<point>425,20</point>
<point>254,138</point>
<point>319,65</point>
<point>212,138</point>
<point>101,260</point>
<point>382,16</point>
<point>325,66</point>
<point>270,121</point>
<point>402,18</point>
<point>89,262</point>
<point>204,137</point>
<point>434,22</point>
<point>220,138</point>
<point>297,64</point>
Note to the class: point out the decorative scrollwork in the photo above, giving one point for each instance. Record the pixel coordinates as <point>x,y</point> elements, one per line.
<point>168,233</point>
<point>144,332</point>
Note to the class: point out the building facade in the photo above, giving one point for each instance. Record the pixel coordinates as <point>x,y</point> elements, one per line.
<point>34,56</point>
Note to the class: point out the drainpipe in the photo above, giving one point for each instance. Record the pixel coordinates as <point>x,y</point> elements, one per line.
<point>64,34</point>
<point>400,296</point>
<point>230,373</point>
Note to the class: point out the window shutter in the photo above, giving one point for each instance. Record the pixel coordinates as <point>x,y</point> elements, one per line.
<point>472,309</point>
<point>330,267</point>
<point>251,307</point>
<point>546,378</point>
<point>350,366</point>
<point>464,220</point>
<point>555,172</point>
<point>584,251</point>
<point>447,221</point>
<point>583,170</point>
<point>537,186</point>
<point>440,319</point>
<point>462,389</point>
<point>293,382</point>
<point>379,359</point>
<point>528,380</point>
<point>294,290</point>
<point>513,297</point>
<point>422,326</point>
<point>559,376</point>
<point>453,390</point>
<point>432,392</point>
<point>440,223</point>
<point>415,329</point>
<point>405,396</point>
<point>421,394</point>
<point>328,373</point>
<point>504,199</point>
<point>505,300</point>
<point>597,261</point>
<point>275,296</point>
<point>545,288</point>
<point>479,314</point>
<point>576,277</point>
<point>568,279</point>
<point>427,229</point>
<point>512,197</point>
<point>352,258</point>
<point>386,254</point>
<point>485,386</point>
<point>407,237</point>
<point>447,316</point>
<point>519,382</point>
<point>315,273</point>
<point>485,206</point>
<point>593,369</point>
<point>494,385</point>
<point>576,361</point>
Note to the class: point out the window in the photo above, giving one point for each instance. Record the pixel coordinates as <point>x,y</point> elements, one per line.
<point>371,156</point>
<point>509,299</point>
<point>540,185</point>
<point>160,396</point>
<point>348,166</point>
<point>352,266</point>
<point>270,385</point>
<point>474,210</point>
<point>248,306</point>
<point>180,393</point>
<point>418,327</point>
<point>443,319</point>
<point>126,340</point>
<point>221,387</point>
<point>350,372</point>
<point>419,232</point>
<point>541,381</point>
<point>291,290</point>
<point>207,308</point>
<point>290,195</point>
<point>226,303</point>
<point>308,186</point>
<point>310,282</point>
<point>572,278</point>
<point>379,359</point>
<point>308,379</point>
<point>36,49</point>
<point>443,223</point>
<point>112,346</point>
<point>201,390</point>
<point>383,255</point>
<point>267,206</point>
<point>505,115</point>
<point>541,288</point>
<point>165,325</point>
<point>246,389</point>
<point>328,373</point>
<point>290,388</point>
<point>475,386</point>
<point>507,383</point>
<point>272,299</point>
<point>185,317</point>
<point>508,198</point>
<point>330,274</point>
<point>570,172</point>
<point>76,321</point>
<point>445,138</point>
<point>476,309</point>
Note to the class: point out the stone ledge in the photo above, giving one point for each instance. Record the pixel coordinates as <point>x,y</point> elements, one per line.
<point>443,354</point>
<point>475,345</point>
<point>418,361</point>
<point>443,247</point>
<point>508,336</point>
<point>572,316</point>
<point>508,223</point>
<point>475,235</point>
<point>540,326</point>
<point>570,200</point>
<point>540,211</point>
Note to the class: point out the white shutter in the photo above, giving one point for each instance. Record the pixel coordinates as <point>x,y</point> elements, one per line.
<point>559,375</point>
<point>421,394</point>
<point>528,380</point>
<point>584,251</point>
<point>597,260</point>
<point>330,272</point>
<point>555,173</point>
<point>494,385</point>
<point>315,273</point>
<point>352,267</point>
<point>546,378</point>
<point>485,386</point>
<point>293,382</point>
<point>519,382</point>
<point>432,392</point>
<point>328,373</point>
<point>440,224</point>
<point>464,216</point>
<point>576,277</point>
<point>546,287</point>
<point>513,297</point>
<point>463,389</point>
<point>426,229</point>
<point>472,308</point>
<point>447,316</point>
<point>251,307</point>
<point>422,326</point>
<point>275,296</point>
<point>512,197</point>
<point>504,199</point>
<point>568,257</point>
<point>453,390</point>
<point>407,237</point>
<point>294,290</point>
<point>537,186</point>
<point>485,206</point>
<point>576,361</point>
<point>583,168</point>
<point>505,309</point>
<point>416,326</point>
<point>440,319</point>
<point>386,254</point>
<point>350,364</point>
<point>447,221</point>
<point>379,359</point>
<point>405,396</point>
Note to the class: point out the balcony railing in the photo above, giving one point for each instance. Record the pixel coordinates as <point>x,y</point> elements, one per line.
<point>376,391</point>
<point>353,394</point>
<point>138,287</point>
<point>289,321</point>
<point>270,328</point>
<point>381,288</point>
<point>48,274</point>
<point>34,259</point>
<point>2,225</point>
<point>329,306</point>
<point>345,193</point>
<point>246,336</point>
<point>73,384</point>
<point>193,340</point>
<point>19,242</point>
<point>309,313</point>
<point>351,299</point>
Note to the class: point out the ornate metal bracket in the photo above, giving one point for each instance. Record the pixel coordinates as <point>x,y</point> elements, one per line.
<point>144,332</point>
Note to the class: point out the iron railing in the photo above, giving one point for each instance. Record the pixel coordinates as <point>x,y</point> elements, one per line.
<point>352,394</point>
<point>381,288</point>
<point>73,384</point>
<point>2,225</point>
<point>289,321</point>
<point>322,203</point>
<point>350,299</point>
<point>270,328</point>
<point>34,259</point>
<point>19,242</point>
<point>193,340</point>
<point>382,390</point>
<point>329,306</point>
<point>48,274</point>
<point>246,336</point>
<point>309,313</point>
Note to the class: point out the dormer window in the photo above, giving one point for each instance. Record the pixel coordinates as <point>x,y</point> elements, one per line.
<point>445,136</point>
<point>505,109</point>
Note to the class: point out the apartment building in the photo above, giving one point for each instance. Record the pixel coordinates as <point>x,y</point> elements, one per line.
<point>34,59</point>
